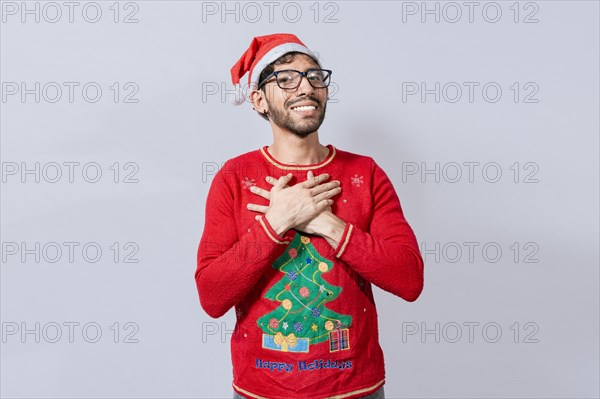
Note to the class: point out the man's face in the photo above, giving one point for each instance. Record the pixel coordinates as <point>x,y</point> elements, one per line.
<point>282,103</point>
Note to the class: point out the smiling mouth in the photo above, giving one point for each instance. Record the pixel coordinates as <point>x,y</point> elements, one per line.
<point>305,109</point>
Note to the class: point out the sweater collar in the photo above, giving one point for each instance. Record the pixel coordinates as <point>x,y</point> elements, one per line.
<point>286,166</point>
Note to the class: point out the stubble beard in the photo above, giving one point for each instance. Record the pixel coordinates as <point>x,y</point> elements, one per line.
<point>303,128</point>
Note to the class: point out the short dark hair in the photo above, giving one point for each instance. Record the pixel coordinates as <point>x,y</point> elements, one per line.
<point>284,59</point>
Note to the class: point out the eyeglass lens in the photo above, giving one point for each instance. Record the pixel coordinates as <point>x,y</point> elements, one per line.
<point>291,79</point>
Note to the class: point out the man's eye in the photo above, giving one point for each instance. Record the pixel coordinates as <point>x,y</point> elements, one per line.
<point>285,78</point>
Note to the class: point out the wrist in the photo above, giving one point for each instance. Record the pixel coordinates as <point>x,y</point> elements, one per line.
<point>334,229</point>
<point>280,226</point>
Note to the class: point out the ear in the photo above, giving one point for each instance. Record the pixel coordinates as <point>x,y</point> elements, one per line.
<point>258,100</point>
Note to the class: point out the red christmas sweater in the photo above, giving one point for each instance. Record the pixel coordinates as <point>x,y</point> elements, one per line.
<point>306,319</point>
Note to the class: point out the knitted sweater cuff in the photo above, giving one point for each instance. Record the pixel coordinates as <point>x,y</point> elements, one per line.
<point>344,240</point>
<point>286,239</point>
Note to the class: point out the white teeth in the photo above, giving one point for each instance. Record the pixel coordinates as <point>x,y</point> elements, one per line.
<point>304,108</point>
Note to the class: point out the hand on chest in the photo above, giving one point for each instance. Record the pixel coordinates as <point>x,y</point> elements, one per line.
<point>352,203</point>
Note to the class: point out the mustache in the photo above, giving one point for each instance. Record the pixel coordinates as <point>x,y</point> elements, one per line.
<point>313,99</point>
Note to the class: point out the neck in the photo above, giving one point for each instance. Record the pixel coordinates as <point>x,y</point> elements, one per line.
<point>291,149</point>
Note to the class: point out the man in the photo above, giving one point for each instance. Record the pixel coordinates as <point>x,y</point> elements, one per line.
<point>294,235</point>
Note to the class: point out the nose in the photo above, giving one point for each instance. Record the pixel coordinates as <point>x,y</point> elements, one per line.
<point>305,87</point>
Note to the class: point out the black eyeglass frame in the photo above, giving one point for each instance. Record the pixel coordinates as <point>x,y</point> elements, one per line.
<point>302,75</point>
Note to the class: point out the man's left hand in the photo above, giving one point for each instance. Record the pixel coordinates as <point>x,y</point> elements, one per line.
<point>326,224</point>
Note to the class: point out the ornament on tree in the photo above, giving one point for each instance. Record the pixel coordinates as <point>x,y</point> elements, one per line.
<point>302,318</point>
<point>329,325</point>
<point>304,292</point>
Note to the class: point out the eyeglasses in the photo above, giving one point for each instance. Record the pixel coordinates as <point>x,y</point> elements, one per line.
<point>289,79</point>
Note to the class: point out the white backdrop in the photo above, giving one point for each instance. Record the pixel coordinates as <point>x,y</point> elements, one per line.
<point>114,118</point>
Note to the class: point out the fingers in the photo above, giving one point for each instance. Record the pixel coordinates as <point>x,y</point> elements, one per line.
<point>332,187</point>
<point>322,177</point>
<point>271,180</point>
<point>257,208</point>
<point>263,193</point>
<point>324,204</point>
<point>312,180</point>
<point>326,195</point>
<point>283,181</point>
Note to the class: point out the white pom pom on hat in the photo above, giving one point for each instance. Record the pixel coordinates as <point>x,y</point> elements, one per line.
<point>262,51</point>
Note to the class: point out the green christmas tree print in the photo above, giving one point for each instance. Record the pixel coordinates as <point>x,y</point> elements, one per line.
<point>301,319</point>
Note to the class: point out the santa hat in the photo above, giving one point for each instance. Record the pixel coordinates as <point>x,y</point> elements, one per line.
<point>262,51</point>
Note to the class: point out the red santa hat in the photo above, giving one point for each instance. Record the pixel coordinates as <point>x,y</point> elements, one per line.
<point>262,51</point>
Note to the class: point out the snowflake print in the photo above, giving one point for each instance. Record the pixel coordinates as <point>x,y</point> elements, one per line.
<point>357,180</point>
<point>247,183</point>
<point>292,275</point>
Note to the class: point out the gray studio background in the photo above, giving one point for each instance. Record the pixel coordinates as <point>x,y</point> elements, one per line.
<point>522,322</point>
